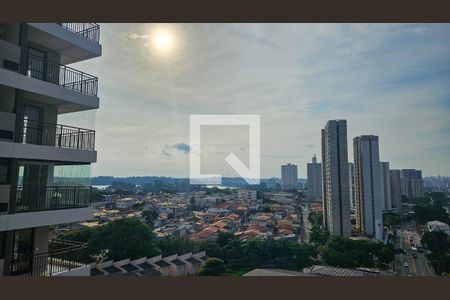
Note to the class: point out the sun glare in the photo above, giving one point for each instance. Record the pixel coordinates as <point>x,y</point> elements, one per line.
<point>162,40</point>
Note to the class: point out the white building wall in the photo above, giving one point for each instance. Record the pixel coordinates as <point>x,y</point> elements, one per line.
<point>369,189</point>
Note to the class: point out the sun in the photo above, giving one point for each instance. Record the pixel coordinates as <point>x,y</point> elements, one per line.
<point>162,40</point>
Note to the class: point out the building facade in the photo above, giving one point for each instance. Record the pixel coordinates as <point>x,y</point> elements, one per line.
<point>385,185</point>
<point>351,182</point>
<point>369,198</point>
<point>412,183</point>
<point>335,179</point>
<point>396,189</point>
<point>44,165</point>
<point>417,188</point>
<point>247,195</point>
<point>289,177</point>
<point>314,174</point>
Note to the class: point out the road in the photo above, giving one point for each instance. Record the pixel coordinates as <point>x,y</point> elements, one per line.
<point>416,266</point>
<point>306,226</point>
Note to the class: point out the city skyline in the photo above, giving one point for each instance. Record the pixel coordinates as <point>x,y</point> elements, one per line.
<point>295,76</point>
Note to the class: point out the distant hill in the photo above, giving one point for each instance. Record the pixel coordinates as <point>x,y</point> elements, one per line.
<point>141,180</point>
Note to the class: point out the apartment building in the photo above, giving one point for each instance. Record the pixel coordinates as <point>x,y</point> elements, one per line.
<point>247,195</point>
<point>44,165</point>
<point>396,189</point>
<point>314,173</point>
<point>368,186</point>
<point>289,177</point>
<point>351,182</point>
<point>385,185</point>
<point>412,183</point>
<point>335,180</point>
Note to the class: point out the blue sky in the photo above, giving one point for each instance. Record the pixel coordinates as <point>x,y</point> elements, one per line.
<point>391,80</point>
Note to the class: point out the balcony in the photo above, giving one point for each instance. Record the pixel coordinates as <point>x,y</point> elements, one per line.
<point>64,76</point>
<point>32,199</point>
<point>91,31</point>
<point>64,257</point>
<point>57,135</point>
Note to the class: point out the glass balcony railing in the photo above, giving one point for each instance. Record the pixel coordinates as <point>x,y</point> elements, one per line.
<point>29,199</point>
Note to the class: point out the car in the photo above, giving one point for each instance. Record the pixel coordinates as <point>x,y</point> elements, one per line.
<point>413,248</point>
<point>405,264</point>
<point>414,255</point>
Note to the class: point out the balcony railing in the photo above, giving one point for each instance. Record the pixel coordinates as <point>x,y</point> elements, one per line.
<point>90,31</point>
<point>33,198</point>
<point>61,136</point>
<point>65,257</point>
<point>65,76</point>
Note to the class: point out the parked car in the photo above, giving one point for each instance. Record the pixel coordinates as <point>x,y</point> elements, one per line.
<point>405,264</point>
<point>414,255</point>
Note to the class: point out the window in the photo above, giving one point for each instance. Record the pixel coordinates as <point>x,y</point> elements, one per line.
<point>3,171</point>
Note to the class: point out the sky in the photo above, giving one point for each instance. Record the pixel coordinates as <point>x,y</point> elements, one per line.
<point>390,80</point>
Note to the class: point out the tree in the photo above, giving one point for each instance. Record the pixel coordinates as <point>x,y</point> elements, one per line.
<point>436,241</point>
<point>192,201</point>
<point>318,236</point>
<point>439,245</point>
<point>344,252</point>
<point>315,219</point>
<point>124,238</point>
<point>150,215</point>
<point>171,245</point>
<point>423,214</point>
<point>385,253</point>
<point>391,219</point>
<point>213,267</point>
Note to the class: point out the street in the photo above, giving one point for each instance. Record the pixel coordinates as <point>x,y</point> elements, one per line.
<point>416,266</point>
<point>306,226</point>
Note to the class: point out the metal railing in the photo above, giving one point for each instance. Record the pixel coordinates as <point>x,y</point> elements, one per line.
<point>90,31</point>
<point>61,136</point>
<point>64,258</point>
<point>40,68</point>
<point>33,198</point>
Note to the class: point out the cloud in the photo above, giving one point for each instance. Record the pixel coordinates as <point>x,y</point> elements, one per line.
<point>135,36</point>
<point>181,147</point>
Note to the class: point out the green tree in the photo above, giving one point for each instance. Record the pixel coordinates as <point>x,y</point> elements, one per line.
<point>150,216</point>
<point>213,267</point>
<point>171,245</point>
<point>348,253</point>
<point>318,236</point>
<point>385,253</point>
<point>436,241</point>
<point>391,219</point>
<point>315,218</point>
<point>424,214</point>
<point>439,245</point>
<point>124,238</point>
